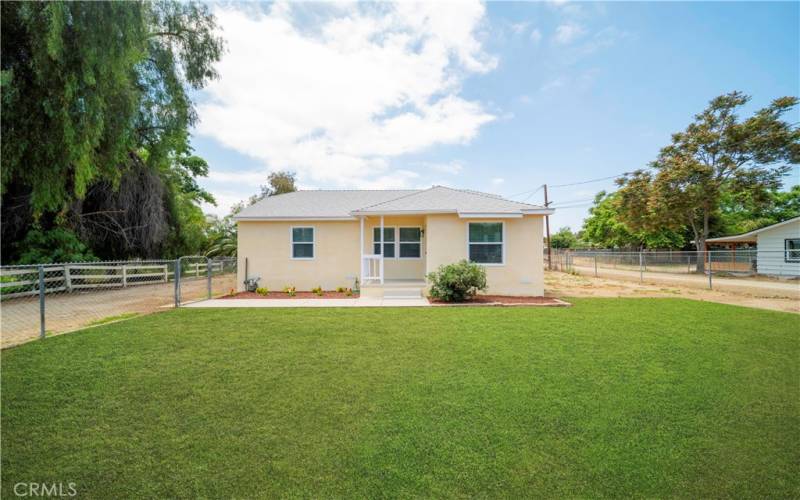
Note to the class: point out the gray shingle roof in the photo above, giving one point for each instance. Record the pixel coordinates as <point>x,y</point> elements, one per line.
<point>345,204</point>
<point>321,204</point>
<point>443,199</point>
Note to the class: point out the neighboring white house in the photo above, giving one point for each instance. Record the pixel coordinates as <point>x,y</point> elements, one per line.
<point>778,247</point>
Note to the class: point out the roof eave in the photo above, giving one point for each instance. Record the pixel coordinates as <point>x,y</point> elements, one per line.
<point>257,218</point>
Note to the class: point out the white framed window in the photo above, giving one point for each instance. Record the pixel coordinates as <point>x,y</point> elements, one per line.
<point>792,247</point>
<point>388,241</point>
<point>303,241</point>
<point>410,241</point>
<point>486,243</point>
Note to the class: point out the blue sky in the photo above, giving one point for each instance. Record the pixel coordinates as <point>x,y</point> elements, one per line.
<point>499,97</point>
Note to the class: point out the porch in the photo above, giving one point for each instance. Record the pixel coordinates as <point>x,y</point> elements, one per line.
<point>392,251</point>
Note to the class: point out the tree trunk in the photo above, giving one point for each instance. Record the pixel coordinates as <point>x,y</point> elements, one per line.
<point>701,254</point>
<point>700,241</point>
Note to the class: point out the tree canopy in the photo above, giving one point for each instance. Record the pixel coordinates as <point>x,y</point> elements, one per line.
<point>605,228</point>
<point>96,117</point>
<point>718,155</point>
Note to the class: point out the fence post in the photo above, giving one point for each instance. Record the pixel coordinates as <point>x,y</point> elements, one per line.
<point>124,276</point>
<point>595,265</point>
<point>641,268</point>
<point>177,276</point>
<point>67,279</point>
<point>208,269</point>
<point>709,271</point>
<point>688,264</point>
<point>41,302</point>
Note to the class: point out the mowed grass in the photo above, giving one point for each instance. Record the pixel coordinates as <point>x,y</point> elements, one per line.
<point>609,398</point>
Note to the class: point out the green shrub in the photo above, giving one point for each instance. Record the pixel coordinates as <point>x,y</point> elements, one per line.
<point>290,290</point>
<point>262,291</point>
<point>317,291</point>
<point>53,245</point>
<point>457,282</point>
<point>348,292</point>
<point>340,289</point>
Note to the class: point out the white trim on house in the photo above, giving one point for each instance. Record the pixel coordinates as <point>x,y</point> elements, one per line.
<point>292,219</point>
<point>501,243</point>
<point>479,215</point>
<point>463,215</point>
<point>744,237</point>
<point>313,242</point>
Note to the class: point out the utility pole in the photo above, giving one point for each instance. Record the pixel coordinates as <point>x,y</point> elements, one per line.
<point>547,228</point>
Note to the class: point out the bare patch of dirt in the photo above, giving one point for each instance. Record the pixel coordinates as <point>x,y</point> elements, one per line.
<point>503,300</point>
<point>297,295</point>
<point>559,284</point>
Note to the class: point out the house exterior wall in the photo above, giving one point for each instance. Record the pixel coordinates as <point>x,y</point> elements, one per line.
<point>523,270</point>
<point>771,257</point>
<point>267,247</point>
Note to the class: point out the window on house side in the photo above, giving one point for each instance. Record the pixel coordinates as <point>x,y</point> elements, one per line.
<point>486,242</point>
<point>792,247</point>
<point>410,242</point>
<point>302,242</point>
<point>388,242</point>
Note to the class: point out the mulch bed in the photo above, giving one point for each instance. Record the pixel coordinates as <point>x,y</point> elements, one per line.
<point>504,300</point>
<point>284,295</point>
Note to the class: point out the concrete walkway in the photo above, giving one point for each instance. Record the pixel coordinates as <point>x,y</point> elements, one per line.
<point>360,302</point>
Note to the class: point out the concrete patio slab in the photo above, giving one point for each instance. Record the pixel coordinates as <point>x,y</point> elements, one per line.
<point>360,302</point>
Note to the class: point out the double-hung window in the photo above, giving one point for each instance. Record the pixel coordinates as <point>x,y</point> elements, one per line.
<point>303,243</point>
<point>792,247</point>
<point>486,242</point>
<point>388,241</point>
<point>410,242</point>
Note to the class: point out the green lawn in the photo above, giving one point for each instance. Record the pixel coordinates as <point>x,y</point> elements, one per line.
<point>609,398</point>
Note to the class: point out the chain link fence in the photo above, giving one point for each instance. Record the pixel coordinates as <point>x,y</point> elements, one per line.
<point>770,272</point>
<point>40,300</point>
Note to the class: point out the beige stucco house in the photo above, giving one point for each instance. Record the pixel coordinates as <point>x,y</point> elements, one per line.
<point>389,240</point>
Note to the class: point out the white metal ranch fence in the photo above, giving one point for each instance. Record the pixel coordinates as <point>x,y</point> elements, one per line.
<point>37,300</point>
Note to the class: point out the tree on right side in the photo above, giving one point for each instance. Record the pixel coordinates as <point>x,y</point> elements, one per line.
<point>716,156</point>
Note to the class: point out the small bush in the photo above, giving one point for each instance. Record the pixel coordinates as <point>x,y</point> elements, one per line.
<point>348,292</point>
<point>457,282</point>
<point>317,291</point>
<point>290,290</point>
<point>262,291</point>
<point>340,289</point>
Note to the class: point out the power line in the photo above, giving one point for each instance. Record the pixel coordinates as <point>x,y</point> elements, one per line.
<point>532,192</point>
<point>580,205</point>
<point>572,201</point>
<point>590,180</point>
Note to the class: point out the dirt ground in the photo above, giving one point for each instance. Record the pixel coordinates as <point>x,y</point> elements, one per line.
<point>565,285</point>
<point>19,318</point>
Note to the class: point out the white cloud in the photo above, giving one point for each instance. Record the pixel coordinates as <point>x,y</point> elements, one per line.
<point>554,83</point>
<point>336,100</point>
<point>519,28</point>
<point>568,33</point>
<point>536,35</point>
<point>497,181</point>
<point>452,167</point>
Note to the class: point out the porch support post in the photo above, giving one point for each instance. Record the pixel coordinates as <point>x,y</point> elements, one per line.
<point>361,253</point>
<point>383,237</point>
